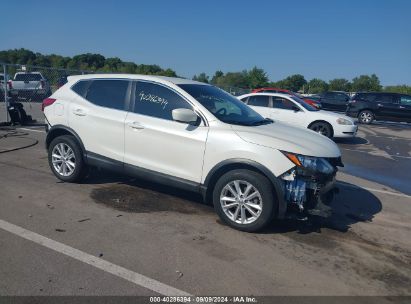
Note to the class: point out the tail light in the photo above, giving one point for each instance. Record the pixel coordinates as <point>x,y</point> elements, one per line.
<point>47,102</point>
<point>42,84</point>
<point>10,84</point>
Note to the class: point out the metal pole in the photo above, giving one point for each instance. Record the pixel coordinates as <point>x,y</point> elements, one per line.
<point>6,102</point>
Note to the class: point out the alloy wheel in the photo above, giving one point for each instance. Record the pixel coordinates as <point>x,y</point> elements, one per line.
<point>63,159</point>
<point>241,202</point>
<point>366,117</point>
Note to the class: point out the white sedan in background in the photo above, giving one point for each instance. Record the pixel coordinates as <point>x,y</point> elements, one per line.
<point>295,111</point>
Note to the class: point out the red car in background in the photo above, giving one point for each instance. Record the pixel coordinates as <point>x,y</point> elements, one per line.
<point>311,102</point>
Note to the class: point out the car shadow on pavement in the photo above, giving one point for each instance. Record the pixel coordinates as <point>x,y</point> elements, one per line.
<point>352,205</point>
<point>351,141</point>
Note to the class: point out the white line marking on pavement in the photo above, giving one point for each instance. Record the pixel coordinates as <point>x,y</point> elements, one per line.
<point>378,190</point>
<point>34,130</point>
<point>96,262</point>
<point>391,155</point>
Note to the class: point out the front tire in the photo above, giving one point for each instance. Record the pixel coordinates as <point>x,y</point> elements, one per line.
<point>322,128</point>
<point>244,200</point>
<point>66,159</point>
<point>366,117</point>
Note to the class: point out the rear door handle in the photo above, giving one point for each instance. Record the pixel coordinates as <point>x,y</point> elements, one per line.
<point>135,125</point>
<point>79,112</point>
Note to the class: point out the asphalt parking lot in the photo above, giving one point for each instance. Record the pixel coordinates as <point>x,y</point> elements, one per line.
<point>115,235</point>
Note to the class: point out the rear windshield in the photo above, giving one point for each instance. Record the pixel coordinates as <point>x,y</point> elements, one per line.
<point>28,77</point>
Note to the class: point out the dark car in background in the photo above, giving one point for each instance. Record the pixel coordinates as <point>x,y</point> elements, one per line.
<point>334,101</point>
<point>380,106</point>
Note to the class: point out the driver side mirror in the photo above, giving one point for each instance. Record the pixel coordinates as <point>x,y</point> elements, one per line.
<point>185,116</point>
<point>295,109</point>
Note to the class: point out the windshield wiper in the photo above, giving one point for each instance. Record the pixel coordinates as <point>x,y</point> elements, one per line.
<point>264,121</point>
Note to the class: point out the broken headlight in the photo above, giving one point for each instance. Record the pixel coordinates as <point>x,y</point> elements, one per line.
<point>316,164</point>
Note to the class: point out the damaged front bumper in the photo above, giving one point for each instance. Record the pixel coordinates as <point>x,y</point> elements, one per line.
<point>308,192</point>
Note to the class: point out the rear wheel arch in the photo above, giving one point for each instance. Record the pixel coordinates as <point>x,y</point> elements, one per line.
<point>60,130</point>
<point>234,164</point>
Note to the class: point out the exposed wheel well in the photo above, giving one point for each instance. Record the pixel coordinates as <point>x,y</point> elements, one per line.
<point>323,121</point>
<point>55,133</point>
<point>212,180</point>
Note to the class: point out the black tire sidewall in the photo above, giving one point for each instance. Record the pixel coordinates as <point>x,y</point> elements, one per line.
<point>262,184</point>
<point>326,125</point>
<point>80,166</point>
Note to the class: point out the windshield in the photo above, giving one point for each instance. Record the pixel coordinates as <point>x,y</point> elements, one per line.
<point>304,104</point>
<point>224,106</point>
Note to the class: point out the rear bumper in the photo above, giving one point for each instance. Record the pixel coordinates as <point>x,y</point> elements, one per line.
<point>27,93</point>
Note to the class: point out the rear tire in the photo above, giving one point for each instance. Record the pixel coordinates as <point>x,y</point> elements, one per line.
<point>322,128</point>
<point>232,206</point>
<point>366,117</point>
<point>66,159</point>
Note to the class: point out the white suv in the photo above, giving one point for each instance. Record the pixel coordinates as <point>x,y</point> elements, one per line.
<point>190,135</point>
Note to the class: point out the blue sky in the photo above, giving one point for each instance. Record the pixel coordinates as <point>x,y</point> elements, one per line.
<point>325,39</point>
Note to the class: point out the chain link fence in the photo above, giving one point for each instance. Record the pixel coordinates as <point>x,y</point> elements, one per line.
<point>24,87</point>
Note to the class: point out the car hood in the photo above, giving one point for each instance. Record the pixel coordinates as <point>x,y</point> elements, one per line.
<point>331,116</point>
<point>287,138</point>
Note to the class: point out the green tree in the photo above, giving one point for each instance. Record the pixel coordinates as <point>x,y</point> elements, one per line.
<point>202,77</point>
<point>257,78</point>
<point>233,79</point>
<point>316,86</point>
<point>339,84</point>
<point>217,75</point>
<point>366,83</point>
<point>293,83</point>
<point>402,89</point>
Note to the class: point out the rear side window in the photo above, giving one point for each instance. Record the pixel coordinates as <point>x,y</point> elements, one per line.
<point>386,98</point>
<point>405,100</point>
<point>108,93</point>
<point>81,87</point>
<point>259,101</point>
<point>28,77</point>
<point>157,101</point>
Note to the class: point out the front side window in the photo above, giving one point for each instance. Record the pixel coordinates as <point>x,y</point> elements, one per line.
<point>341,97</point>
<point>224,106</point>
<point>157,101</point>
<point>386,98</point>
<point>108,93</point>
<point>259,101</point>
<point>282,103</point>
<point>304,104</point>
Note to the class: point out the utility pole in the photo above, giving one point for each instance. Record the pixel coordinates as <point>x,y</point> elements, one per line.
<point>6,102</point>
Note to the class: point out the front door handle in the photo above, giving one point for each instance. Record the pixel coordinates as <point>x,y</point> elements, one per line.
<point>79,112</point>
<point>135,125</point>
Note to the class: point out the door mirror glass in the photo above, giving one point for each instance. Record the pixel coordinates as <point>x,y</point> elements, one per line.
<point>185,116</point>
